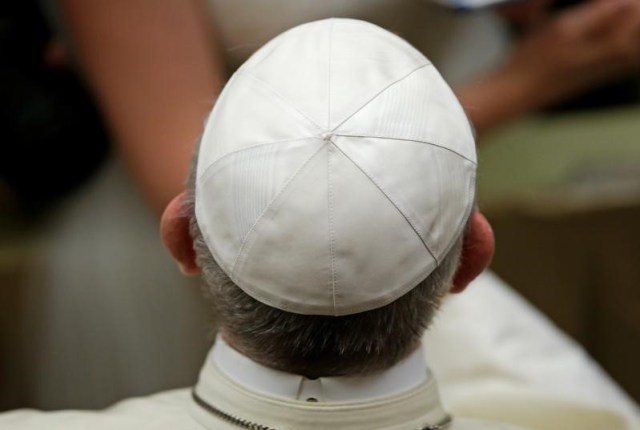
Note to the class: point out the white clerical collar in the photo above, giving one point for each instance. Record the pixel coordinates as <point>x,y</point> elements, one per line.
<point>402,377</point>
<point>234,391</point>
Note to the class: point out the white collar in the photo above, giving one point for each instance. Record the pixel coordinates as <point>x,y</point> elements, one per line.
<point>402,377</point>
<point>234,391</point>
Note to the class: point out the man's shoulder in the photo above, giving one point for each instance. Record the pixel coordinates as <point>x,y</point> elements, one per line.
<point>167,410</point>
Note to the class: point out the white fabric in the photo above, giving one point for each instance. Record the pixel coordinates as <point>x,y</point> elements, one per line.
<point>495,357</point>
<point>336,170</point>
<point>402,377</point>
<point>171,410</point>
<point>406,410</point>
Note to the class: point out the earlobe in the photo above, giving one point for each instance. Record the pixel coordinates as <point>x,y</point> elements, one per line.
<point>477,251</point>
<point>174,230</point>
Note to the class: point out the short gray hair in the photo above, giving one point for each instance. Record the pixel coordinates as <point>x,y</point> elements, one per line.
<point>317,345</point>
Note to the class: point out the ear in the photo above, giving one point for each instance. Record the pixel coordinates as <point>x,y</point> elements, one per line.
<point>477,251</point>
<point>174,230</point>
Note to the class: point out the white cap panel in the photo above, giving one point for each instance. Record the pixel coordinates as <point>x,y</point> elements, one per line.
<point>419,107</point>
<point>428,184</point>
<point>240,186</point>
<point>246,115</point>
<point>303,83</point>
<point>364,61</point>
<point>377,255</point>
<point>286,259</point>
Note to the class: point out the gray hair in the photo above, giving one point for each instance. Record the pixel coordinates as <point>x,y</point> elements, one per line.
<point>316,345</point>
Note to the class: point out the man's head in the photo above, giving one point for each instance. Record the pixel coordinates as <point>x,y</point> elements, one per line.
<point>331,205</point>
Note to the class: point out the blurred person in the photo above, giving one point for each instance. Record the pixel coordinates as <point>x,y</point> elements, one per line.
<point>155,68</point>
<point>309,212</point>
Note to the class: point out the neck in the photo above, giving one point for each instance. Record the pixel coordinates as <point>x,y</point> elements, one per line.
<point>323,365</point>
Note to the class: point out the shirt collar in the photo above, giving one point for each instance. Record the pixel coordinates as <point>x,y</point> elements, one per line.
<point>403,376</point>
<point>234,391</point>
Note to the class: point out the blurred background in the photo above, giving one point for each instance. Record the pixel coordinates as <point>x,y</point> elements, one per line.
<point>92,100</point>
<point>567,225</point>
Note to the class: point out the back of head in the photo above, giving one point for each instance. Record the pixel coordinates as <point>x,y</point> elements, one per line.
<point>329,196</point>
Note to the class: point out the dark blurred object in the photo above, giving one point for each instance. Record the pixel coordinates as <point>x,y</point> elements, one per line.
<point>619,93</point>
<point>53,137</point>
<point>561,4</point>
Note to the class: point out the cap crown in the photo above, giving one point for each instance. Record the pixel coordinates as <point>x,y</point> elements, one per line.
<point>335,171</point>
